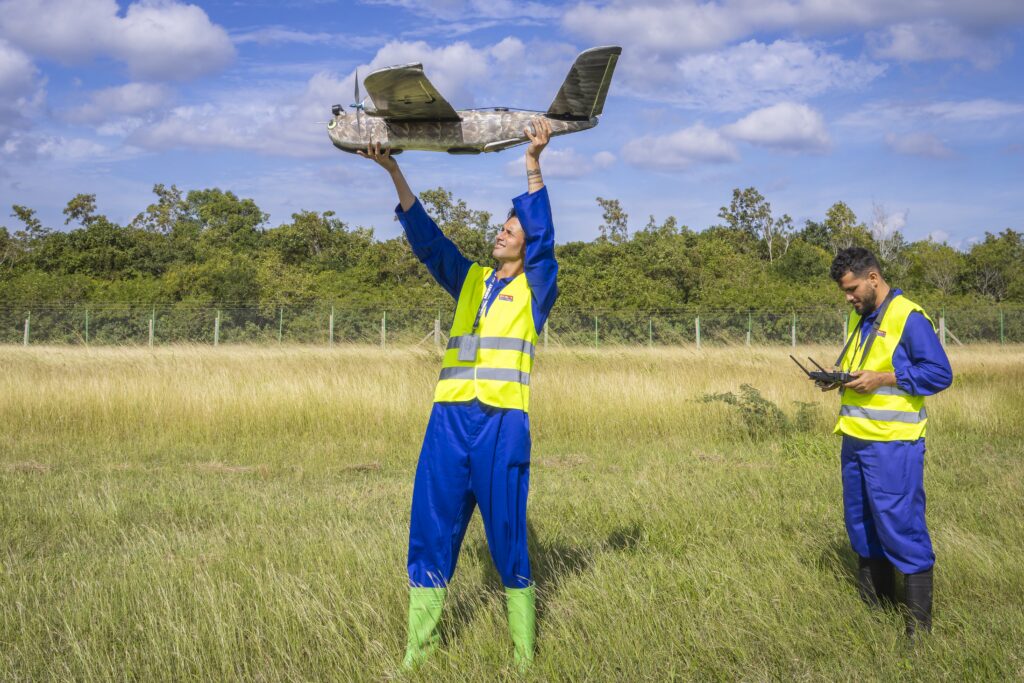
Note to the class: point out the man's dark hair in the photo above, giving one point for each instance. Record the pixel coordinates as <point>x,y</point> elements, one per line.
<point>856,260</point>
<point>511,214</point>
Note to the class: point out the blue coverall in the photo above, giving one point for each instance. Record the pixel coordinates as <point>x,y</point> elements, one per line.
<point>475,454</point>
<point>883,481</point>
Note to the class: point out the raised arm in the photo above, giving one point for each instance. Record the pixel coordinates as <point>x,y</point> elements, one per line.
<point>438,253</point>
<point>539,138</point>
<point>384,159</point>
<point>534,212</point>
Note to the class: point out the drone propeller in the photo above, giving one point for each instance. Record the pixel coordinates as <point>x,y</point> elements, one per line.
<point>358,106</point>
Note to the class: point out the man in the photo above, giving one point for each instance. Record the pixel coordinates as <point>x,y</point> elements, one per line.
<point>896,360</point>
<point>476,451</point>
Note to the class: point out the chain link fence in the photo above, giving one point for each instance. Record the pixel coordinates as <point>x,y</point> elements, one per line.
<point>323,324</point>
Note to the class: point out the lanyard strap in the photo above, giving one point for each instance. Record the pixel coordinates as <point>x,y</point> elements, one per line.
<point>871,335</point>
<point>491,281</point>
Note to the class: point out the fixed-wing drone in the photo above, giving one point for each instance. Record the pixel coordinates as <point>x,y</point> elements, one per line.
<point>409,113</point>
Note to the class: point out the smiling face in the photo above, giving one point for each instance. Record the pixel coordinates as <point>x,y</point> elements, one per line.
<point>861,291</point>
<point>509,243</point>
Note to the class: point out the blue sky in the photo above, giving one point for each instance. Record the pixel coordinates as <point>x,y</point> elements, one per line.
<point>910,112</point>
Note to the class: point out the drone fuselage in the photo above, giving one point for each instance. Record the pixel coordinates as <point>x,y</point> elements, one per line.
<point>478,130</point>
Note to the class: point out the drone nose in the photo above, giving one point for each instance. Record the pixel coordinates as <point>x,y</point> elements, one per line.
<point>337,109</point>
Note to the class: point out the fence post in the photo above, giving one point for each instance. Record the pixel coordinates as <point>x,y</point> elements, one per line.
<point>793,330</point>
<point>942,327</point>
<point>650,332</point>
<point>87,327</point>
<point>696,326</point>
<point>383,329</point>
<point>437,333</point>
<point>280,322</point>
<point>28,323</point>
<point>597,340</point>
<point>152,324</point>
<point>750,326</point>
<point>846,329</point>
<point>216,329</point>
<point>330,328</point>
<point>545,335</point>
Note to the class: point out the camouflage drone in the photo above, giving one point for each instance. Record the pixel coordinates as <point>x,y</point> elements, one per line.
<point>409,113</point>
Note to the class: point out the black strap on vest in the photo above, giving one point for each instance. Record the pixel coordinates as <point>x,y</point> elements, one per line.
<point>871,335</point>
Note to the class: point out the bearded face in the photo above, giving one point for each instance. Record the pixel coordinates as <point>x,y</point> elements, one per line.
<point>861,292</point>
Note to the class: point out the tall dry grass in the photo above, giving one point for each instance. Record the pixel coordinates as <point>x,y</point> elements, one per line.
<point>189,512</point>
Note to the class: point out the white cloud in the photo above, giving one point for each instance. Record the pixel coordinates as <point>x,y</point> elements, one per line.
<point>276,35</point>
<point>17,72</point>
<point>754,74</point>
<point>283,35</point>
<point>62,148</point>
<point>884,224</point>
<point>937,40</point>
<point>888,114</point>
<point>467,76</point>
<point>26,146</point>
<point>156,39</point>
<point>454,18</point>
<point>124,100</point>
<point>660,27</point>
<point>787,125</point>
<point>677,27</point>
<point>564,162</point>
<point>465,9</point>
<point>21,93</point>
<point>279,121</point>
<point>984,109</point>
<point>681,149</point>
<point>918,144</point>
<point>604,159</point>
<point>282,119</point>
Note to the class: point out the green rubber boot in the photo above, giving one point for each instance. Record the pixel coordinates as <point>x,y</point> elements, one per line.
<point>522,623</point>
<point>424,614</point>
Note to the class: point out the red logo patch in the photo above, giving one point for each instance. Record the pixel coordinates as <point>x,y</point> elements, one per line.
<point>504,297</point>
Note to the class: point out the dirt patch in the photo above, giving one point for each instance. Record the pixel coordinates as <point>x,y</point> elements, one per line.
<point>222,468</point>
<point>566,462</point>
<point>362,467</point>
<point>34,467</point>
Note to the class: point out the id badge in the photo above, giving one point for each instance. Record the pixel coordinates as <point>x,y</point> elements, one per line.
<point>467,348</point>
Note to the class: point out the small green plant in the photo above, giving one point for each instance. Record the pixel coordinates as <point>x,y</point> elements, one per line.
<point>761,417</point>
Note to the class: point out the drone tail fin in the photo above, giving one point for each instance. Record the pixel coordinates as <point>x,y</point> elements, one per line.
<point>585,88</point>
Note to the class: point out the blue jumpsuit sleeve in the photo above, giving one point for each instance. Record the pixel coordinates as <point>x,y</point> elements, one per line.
<point>922,367</point>
<point>438,253</point>
<point>539,264</point>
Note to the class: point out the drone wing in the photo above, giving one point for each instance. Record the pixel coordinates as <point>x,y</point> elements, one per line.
<point>403,93</point>
<point>585,87</point>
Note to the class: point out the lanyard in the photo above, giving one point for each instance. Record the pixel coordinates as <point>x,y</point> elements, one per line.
<point>871,335</point>
<point>491,281</point>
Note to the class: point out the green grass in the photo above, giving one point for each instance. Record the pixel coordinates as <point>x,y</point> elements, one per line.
<point>191,513</point>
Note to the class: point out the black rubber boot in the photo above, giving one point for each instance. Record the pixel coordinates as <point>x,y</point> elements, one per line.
<point>876,581</point>
<point>919,603</point>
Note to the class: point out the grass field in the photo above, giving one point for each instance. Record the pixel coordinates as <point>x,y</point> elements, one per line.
<point>241,513</point>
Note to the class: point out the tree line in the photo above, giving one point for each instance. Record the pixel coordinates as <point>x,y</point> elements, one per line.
<point>211,247</point>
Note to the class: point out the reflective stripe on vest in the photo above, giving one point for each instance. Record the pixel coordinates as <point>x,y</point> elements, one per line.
<point>888,413</point>
<point>499,373</point>
<point>502,343</point>
<point>884,415</point>
<point>890,391</point>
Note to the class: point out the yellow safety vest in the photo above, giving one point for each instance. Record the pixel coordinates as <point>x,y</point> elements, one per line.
<point>888,414</point>
<point>500,375</point>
